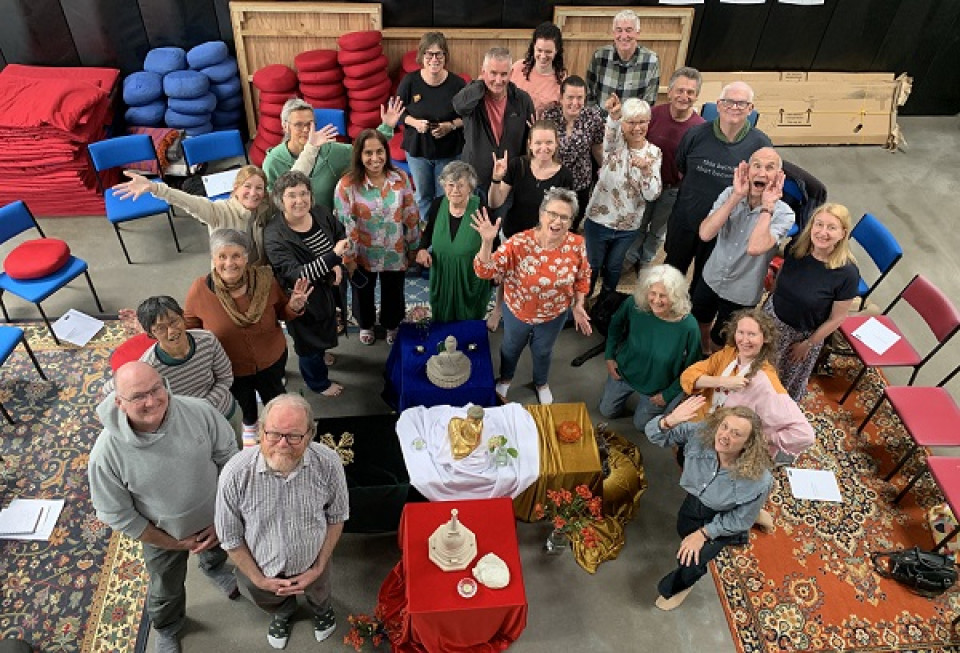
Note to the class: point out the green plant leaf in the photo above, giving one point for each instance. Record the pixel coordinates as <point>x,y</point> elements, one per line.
<point>512,452</point>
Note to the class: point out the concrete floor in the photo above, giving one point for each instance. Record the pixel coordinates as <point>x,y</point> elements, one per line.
<point>913,191</point>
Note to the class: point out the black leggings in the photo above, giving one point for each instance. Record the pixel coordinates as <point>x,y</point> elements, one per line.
<point>268,382</point>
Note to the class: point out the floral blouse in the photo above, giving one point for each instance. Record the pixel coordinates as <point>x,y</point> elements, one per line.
<point>383,224</point>
<point>622,190</point>
<point>576,149</point>
<point>538,284</point>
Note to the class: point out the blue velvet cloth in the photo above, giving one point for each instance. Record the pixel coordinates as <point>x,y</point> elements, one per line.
<point>406,370</point>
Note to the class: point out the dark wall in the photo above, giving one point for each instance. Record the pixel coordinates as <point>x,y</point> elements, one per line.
<point>919,37</point>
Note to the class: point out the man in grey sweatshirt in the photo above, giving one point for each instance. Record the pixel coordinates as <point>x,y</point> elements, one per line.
<point>153,476</point>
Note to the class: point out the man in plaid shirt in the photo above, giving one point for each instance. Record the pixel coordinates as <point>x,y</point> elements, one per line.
<point>626,67</point>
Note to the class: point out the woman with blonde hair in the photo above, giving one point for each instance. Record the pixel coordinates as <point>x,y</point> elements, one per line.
<point>651,339</point>
<point>245,210</point>
<point>815,289</point>
<point>726,474</point>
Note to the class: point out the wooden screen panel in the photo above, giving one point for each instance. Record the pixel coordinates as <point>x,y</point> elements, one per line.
<point>666,31</point>
<point>467,46</point>
<point>275,32</point>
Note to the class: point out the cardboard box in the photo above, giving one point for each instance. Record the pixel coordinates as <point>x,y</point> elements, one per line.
<point>813,108</point>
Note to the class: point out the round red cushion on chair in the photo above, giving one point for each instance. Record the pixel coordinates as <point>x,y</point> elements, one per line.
<point>275,78</point>
<point>277,98</point>
<point>313,60</point>
<point>348,58</point>
<point>367,68</point>
<point>360,40</point>
<point>323,91</point>
<point>321,76</point>
<point>364,83</point>
<point>131,350</point>
<point>409,62</point>
<point>378,93</point>
<point>35,259</point>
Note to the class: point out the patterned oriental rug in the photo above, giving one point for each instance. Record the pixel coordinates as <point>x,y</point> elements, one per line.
<point>83,590</point>
<point>810,586</point>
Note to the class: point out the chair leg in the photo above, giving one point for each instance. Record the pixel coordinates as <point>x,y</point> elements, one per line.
<point>6,415</point>
<point>909,486</point>
<point>123,246</point>
<point>33,357</point>
<point>945,540</point>
<point>853,385</point>
<point>6,316</point>
<point>93,291</point>
<point>873,411</point>
<point>46,321</point>
<point>173,231</point>
<point>902,462</point>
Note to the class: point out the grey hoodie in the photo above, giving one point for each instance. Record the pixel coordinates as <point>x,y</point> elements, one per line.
<point>169,477</point>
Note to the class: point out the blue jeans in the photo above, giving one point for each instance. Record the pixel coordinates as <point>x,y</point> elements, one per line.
<point>653,228</point>
<point>314,371</point>
<point>606,248</point>
<point>516,335</point>
<point>615,395</point>
<point>426,180</point>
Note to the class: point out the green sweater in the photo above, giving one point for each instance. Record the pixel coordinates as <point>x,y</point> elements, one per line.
<point>652,353</point>
<point>324,165</point>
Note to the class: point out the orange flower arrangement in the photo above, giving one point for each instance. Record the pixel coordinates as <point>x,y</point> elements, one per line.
<point>572,513</point>
<point>363,628</point>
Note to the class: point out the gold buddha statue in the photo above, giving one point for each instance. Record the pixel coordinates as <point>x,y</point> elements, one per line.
<point>465,433</point>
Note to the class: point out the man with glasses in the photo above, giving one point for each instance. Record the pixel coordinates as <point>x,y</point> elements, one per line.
<point>280,513</point>
<point>706,158</point>
<point>624,68</point>
<point>153,476</point>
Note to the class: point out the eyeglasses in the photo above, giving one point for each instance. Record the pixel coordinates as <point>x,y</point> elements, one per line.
<point>174,323</point>
<point>553,215</point>
<point>292,438</point>
<point>430,54</point>
<point>155,392</point>
<point>300,126</point>
<point>734,104</point>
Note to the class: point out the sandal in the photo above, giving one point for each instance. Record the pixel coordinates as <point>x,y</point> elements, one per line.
<point>367,337</point>
<point>392,336</point>
<point>335,390</point>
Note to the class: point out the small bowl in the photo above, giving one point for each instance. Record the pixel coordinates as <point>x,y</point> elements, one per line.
<point>420,349</point>
<point>467,588</point>
<point>472,346</point>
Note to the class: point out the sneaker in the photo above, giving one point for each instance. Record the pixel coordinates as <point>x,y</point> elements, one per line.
<point>224,579</point>
<point>165,642</point>
<point>279,631</point>
<point>544,395</point>
<point>324,624</point>
<point>502,389</point>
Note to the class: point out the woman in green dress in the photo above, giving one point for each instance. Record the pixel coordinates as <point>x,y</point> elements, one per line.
<point>448,248</point>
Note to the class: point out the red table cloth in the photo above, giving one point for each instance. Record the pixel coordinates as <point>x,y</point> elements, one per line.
<point>421,602</point>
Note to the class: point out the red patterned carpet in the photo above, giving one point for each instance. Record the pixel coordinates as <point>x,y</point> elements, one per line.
<point>810,586</point>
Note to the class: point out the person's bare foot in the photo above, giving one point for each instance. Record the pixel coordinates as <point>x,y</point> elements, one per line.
<point>765,522</point>
<point>334,390</point>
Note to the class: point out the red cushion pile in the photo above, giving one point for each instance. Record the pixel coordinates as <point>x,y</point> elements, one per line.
<point>321,79</point>
<point>277,84</point>
<point>365,76</point>
<point>47,117</point>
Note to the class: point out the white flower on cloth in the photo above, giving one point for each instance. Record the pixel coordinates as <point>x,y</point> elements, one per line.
<point>543,281</point>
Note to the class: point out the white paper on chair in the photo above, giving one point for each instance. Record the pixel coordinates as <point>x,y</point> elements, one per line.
<point>814,484</point>
<point>219,183</point>
<point>76,327</point>
<point>50,510</point>
<point>875,335</point>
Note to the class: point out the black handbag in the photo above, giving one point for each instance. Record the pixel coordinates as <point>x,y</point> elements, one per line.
<point>925,572</point>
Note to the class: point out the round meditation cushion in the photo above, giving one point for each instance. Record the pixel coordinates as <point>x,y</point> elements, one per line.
<point>142,88</point>
<point>165,60</point>
<point>367,68</point>
<point>205,128</point>
<point>321,76</point>
<point>221,72</point>
<point>37,258</point>
<point>350,58</point>
<point>355,41</point>
<point>179,120</point>
<point>275,78</point>
<point>195,106</point>
<point>315,60</point>
<point>364,83</point>
<point>227,118</point>
<point>227,89</point>
<point>149,115</point>
<point>186,84</point>
<point>207,54</point>
<point>230,103</point>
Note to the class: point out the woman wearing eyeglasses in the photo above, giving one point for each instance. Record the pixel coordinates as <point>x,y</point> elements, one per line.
<point>433,136</point>
<point>544,273</point>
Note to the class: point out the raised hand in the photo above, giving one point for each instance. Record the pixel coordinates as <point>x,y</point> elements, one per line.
<point>301,292</point>
<point>773,191</point>
<point>480,222</point>
<point>137,186</point>
<point>741,181</point>
<point>686,410</point>
<point>499,166</point>
<point>319,138</point>
<point>390,114</point>
<point>612,105</point>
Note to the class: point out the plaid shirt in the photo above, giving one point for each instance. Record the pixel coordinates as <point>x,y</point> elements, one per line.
<point>638,77</point>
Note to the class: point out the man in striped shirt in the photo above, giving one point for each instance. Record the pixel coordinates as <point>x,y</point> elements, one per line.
<point>280,512</point>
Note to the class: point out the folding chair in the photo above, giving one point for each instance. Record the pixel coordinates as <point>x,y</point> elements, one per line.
<point>936,309</point>
<point>214,147</point>
<point>114,153</point>
<point>929,415</point>
<point>880,245</point>
<point>709,112</point>
<point>16,218</point>
<point>10,337</point>
<point>945,471</point>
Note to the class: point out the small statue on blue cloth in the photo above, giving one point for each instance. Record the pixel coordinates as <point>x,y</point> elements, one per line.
<point>450,368</point>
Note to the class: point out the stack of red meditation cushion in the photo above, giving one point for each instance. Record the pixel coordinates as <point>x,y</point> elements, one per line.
<point>276,84</point>
<point>365,76</point>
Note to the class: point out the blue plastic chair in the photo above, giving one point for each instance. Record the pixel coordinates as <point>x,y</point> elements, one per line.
<point>214,147</point>
<point>10,337</point>
<point>16,218</point>
<point>880,245</point>
<point>335,117</point>
<point>120,151</point>
<point>793,197</point>
<point>709,112</point>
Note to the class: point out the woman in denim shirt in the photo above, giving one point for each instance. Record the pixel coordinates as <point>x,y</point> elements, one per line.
<point>726,474</point>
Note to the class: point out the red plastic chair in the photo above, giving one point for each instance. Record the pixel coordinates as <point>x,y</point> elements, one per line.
<point>931,304</point>
<point>945,471</point>
<point>929,415</point>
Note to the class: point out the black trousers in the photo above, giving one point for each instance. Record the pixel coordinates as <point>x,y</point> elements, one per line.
<point>392,305</point>
<point>268,382</point>
<point>683,246</point>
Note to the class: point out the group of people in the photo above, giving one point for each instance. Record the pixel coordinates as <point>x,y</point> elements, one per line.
<point>505,171</point>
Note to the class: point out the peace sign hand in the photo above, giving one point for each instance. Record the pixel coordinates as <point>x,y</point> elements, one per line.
<point>499,167</point>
